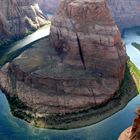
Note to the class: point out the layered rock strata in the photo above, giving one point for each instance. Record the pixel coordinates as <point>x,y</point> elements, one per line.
<point>18,17</point>
<point>80,67</point>
<point>89,41</point>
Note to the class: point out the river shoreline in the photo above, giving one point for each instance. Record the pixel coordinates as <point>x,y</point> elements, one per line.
<point>8,52</point>
<point>84,118</point>
<point>12,127</point>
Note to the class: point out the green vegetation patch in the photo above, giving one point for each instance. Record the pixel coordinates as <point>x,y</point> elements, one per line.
<point>131,82</point>
<point>135,73</point>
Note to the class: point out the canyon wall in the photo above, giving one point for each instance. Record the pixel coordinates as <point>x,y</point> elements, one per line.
<point>80,31</point>
<point>125,12</point>
<point>18,17</point>
<point>75,71</point>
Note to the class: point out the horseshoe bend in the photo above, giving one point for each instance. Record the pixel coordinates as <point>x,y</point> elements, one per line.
<point>78,75</point>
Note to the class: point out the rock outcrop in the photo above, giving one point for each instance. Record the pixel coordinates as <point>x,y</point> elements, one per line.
<point>133,132</point>
<point>88,41</point>
<point>18,17</point>
<point>80,67</point>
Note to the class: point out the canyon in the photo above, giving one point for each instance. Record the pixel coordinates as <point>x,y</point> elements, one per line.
<point>18,18</point>
<point>77,76</point>
<point>68,76</point>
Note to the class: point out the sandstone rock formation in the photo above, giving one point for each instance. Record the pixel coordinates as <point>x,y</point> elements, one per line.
<point>88,41</point>
<point>132,133</point>
<point>125,12</point>
<point>17,17</point>
<point>80,68</point>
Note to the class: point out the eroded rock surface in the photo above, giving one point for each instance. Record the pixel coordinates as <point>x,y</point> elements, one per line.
<point>88,41</point>
<point>18,17</point>
<point>79,67</point>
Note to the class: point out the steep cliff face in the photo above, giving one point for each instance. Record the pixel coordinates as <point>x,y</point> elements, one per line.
<point>126,12</point>
<point>80,67</point>
<point>17,17</point>
<point>88,41</point>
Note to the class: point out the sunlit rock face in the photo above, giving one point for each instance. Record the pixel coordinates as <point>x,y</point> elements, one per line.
<point>125,12</point>
<point>87,40</point>
<point>17,17</point>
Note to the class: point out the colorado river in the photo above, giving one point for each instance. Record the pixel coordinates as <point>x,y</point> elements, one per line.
<point>42,32</point>
<point>12,128</point>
